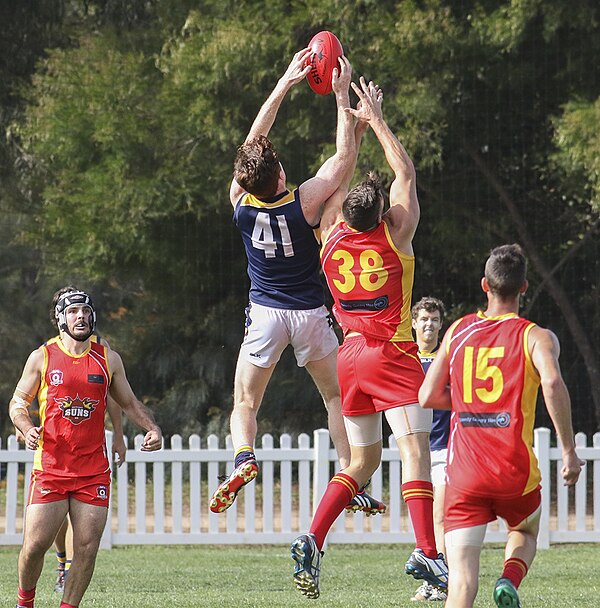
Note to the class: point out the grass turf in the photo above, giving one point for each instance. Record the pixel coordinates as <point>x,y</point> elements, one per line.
<point>353,576</point>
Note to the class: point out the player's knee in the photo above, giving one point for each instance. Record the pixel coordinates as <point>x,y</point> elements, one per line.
<point>363,467</point>
<point>34,547</point>
<point>86,548</point>
<point>413,458</point>
<point>462,589</point>
<point>245,406</point>
<point>333,403</point>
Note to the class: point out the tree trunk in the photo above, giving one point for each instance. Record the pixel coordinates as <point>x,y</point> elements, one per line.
<point>554,288</point>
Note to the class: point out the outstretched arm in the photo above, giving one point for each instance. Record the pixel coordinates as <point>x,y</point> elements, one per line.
<point>545,349</point>
<point>315,191</point>
<point>295,73</point>
<point>332,210</point>
<point>134,409</point>
<point>404,210</point>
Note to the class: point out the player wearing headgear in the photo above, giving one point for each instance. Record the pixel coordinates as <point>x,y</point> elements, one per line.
<point>488,372</point>
<point>71,376</point>
<point>286,297</point>
<point>64,549</point>
<point>368,260</point>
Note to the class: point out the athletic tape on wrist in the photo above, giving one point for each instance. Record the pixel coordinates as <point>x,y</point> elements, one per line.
<point>18,405</point>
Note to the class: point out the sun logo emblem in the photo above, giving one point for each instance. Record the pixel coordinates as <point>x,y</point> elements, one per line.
<point>77,410</point>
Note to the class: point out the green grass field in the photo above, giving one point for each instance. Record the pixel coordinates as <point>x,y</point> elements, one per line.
<point>353,576</point>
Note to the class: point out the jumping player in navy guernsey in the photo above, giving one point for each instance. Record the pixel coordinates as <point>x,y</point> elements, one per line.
<point>286,297</point>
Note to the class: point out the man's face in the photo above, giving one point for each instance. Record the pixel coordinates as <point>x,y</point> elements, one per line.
<point>79,320</point>
<point>427,326</point>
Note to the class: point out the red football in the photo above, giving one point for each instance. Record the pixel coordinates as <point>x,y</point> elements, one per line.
<point>326,49</point>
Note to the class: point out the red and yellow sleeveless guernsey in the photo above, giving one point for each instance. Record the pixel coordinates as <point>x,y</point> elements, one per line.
<point>72,402</point>
<point>494,387</point>
<point>371,282</point>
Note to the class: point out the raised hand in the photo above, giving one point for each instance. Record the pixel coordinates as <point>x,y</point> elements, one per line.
<point>341,76</point>
<point>370,98</point>
<point>298,68</point>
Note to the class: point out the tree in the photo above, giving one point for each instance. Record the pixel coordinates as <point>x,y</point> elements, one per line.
<point>131,128</point>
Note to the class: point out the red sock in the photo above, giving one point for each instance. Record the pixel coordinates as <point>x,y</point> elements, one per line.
<point>418,496</point>
<point>515,570</point>
<point>65,605</point>
<point>25,598</point>
<point>340,491</point>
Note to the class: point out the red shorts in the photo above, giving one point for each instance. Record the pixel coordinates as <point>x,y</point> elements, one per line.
<point>45,487</point>
<point>462,510</point>
<point>375,375</point>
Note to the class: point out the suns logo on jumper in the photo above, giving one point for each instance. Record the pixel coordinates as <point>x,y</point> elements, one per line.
<point>77,410</point>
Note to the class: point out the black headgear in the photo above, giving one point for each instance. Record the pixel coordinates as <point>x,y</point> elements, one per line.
<point>70,299</point>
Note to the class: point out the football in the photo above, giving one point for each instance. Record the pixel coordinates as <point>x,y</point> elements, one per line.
<point>325,51</point>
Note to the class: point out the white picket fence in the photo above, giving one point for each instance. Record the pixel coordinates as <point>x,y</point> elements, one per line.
<point>162,497</point>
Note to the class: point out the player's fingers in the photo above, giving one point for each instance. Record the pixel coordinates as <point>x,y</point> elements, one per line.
<point>363,84</point>
<point>302,53</point>
<point>345,64</point>
<point>359,91</point>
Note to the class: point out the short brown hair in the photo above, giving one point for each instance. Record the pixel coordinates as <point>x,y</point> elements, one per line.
<point>361,207</point>
<point>256,167</point>
<point>430,305</point>
<point>506,270</point>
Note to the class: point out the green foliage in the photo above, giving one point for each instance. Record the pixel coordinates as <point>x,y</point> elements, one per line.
<point>99,167</point>
<point>578,142</point>
<point>117,160</point>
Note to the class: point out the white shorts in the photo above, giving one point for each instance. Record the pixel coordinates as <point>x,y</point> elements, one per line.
<point>270,330</point>
<point>439,459</point>
<point>403,420</point>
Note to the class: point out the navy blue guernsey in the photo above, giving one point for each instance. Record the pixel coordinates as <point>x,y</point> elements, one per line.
<point>440,427</point>
<point>282,251</point>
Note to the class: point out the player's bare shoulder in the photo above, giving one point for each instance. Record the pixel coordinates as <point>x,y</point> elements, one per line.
<point>32,372</point>
<point>401,238</point>
<point>544,350</point>
<point>542,339</point>
<point>35,361</point>
<point>235,193</point>
<point>115,362</point>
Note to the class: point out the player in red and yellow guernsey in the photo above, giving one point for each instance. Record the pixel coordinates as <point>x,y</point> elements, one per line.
<point>62,543</point>
<point>368,260</point>
<point>71,376</point>
<point>488,372</point>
